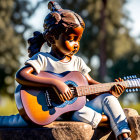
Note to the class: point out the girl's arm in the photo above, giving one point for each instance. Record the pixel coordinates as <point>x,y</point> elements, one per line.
<point>116,90</point>
<point>26,77</point>
<point>90,80</point>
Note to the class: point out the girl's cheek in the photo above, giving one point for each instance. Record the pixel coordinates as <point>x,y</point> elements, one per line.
<point>69,45</point>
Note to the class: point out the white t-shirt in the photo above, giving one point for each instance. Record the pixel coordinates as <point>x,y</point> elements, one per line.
<point>46,62</point>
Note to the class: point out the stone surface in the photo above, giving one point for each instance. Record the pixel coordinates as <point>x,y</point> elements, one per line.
<point>64,130</point>
<point>130,112</point>
<point>103,133</point>
<point>59,130</point>
<point>134,123</point>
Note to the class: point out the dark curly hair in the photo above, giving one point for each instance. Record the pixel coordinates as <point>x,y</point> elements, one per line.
<point>55,23</point>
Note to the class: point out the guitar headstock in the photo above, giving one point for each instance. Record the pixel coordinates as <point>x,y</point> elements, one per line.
<point>133,83</point>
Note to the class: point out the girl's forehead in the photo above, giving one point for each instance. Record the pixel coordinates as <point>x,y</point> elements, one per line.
<point>75,31</point>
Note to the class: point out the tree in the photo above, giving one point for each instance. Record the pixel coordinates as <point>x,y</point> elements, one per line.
<point>12,28</point>
<point>106,34</point>
<point>128,65</point>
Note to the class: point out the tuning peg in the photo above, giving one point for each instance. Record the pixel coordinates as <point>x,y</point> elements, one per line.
<point>130,90</point>
<point>127,90</point>
<point>136,89</point>
<point>134,76</point>
<point>127,77</point>
<point>133,90</point>
<point>130,77</point>
<point>124,78</point>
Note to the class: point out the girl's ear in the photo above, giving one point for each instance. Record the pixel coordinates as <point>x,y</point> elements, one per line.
<point>51,39</point>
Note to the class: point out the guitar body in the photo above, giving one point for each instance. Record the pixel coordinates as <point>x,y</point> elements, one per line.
<point>42,106</point>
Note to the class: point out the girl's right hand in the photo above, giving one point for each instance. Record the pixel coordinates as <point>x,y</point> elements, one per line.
<point>63,91</point>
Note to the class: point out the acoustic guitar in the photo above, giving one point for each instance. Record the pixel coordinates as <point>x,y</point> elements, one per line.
<point>42,106</point>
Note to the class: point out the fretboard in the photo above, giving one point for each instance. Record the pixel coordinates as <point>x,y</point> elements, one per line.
<point>98,88</point>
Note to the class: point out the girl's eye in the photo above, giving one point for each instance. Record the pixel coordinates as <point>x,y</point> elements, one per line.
<point>70,40</point>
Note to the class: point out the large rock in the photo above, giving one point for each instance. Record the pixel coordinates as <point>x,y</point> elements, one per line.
<point>129,112</point>
<point>64,130</point>
<point>58,130</point>
<point>134,122</point>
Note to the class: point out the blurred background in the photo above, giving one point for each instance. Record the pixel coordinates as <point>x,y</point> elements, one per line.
<point>110,44</point>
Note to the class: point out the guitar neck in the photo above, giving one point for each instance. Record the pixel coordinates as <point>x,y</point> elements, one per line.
<point>98,88</point>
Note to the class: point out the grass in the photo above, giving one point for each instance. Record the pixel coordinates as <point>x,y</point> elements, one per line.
<point>134,106</point>
<point>7,106</point>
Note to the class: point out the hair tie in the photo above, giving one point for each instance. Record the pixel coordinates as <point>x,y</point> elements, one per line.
<point>54,6</point>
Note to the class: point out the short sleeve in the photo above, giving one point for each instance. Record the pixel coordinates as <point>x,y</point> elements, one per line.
<point>37,62</point>
<point>84,69</point>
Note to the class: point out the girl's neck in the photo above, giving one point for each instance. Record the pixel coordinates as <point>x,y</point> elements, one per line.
<point>57,54</point>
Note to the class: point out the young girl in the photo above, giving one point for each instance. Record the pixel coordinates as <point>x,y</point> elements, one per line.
<point>63,30</point>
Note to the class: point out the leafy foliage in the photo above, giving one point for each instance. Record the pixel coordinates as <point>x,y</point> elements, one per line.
<point>106,34</point>
<point>13,14</point>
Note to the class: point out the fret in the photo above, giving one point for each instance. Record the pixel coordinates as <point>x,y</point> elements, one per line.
<point>97,88</point>
<point>89,88</point>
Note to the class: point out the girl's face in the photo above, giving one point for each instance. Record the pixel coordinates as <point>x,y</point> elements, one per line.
<point>69,43</point>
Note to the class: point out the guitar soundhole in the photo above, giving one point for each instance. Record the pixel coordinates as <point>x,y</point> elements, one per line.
<point>70,85</point>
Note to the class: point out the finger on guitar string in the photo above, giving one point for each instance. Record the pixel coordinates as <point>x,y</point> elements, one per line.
<point>119,80</point>
<point>116,80</point>
<point>65,96</point>
<point>61,97</point>
<point>120,89</point>
<point>70,94</point>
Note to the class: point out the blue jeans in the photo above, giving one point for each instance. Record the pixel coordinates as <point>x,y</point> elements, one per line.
<point>110,106</point>
<point>12,121</point>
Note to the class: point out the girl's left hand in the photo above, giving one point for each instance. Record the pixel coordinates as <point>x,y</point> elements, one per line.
<point>118,89</point>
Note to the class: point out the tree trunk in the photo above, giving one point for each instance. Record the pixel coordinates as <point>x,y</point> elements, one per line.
<point>102,46</point>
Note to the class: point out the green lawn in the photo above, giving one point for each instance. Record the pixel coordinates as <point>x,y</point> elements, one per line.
<point>7,106</point>
<point>134,106</point>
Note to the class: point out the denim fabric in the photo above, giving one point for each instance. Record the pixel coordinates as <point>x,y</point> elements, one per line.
<point>87,115</point>
<point>110,106</point>
<point>12,121</point>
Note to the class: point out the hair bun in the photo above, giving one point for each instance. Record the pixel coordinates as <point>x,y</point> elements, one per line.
<point>54,6</point>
